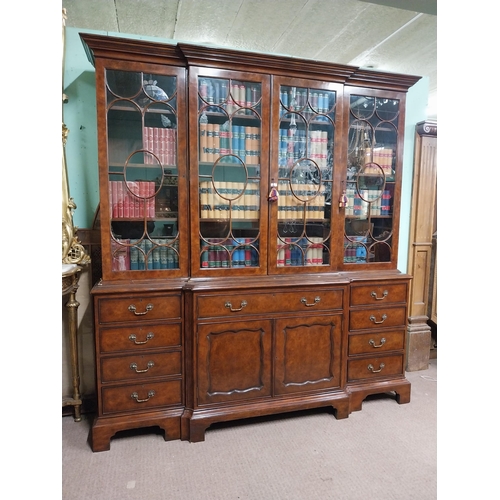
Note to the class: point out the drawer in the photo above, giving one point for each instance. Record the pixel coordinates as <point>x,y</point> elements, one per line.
<point>140,397</point>
<point>138,366</point>
<point>380,294</point>
<point>375,367</point>
<point>139,308</point>
<point>375,342</point>
<point>269,302</point>
<point>137,338</point>
<point>377,317</point>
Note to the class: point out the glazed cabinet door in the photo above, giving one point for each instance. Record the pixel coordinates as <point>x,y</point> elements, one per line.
<point>306,133</point>
<point>373,177</point>
<point>229,151</point>
<point>308,354</point>
<point>234,361</point>
<point>142,128</point>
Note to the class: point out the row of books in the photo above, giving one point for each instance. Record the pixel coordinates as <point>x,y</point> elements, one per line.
<point>132,199</point>
<point>139,255</point>
<point>354,252</point>
<point>368,201</point>
<point>229,252</point>
<point>294,144</point>
<point>382,157</point>
<point>319,102</point>
<point>162,142</point>
<point>222,200</point>
<point>300,252</point>
<point>293,201</point>
<point>231,96</point>
<point>220,139</point>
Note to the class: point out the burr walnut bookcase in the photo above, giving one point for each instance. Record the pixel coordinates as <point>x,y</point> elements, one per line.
<point>249,232</point>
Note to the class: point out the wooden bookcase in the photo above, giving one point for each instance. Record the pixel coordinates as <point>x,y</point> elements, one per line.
<point>249,227</point>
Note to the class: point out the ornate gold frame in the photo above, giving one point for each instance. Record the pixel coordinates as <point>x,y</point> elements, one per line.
<point>72,250</point>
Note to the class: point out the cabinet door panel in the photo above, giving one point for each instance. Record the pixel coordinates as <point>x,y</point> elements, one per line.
<point>306,117</point>
<point>373,177</point>
<point>234,361</point>
<point>308,354</point>
<point>143,182</point>
<point>230,141</point>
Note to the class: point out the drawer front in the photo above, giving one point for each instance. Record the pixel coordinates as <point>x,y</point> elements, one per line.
<point>269,302</point>
<point>139,366</point>
<point>383,317</point>
<point>139,308</point>
<point>140,397</point>
<point>379,294</point>
<point>375,367</point>
<point>375,342</point>
<point>137,338</point>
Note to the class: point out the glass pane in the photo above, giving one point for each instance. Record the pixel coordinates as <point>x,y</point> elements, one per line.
<point>229,172</point>
<point>142,159</point>
<point>370,179</point>
<point>307,130</point>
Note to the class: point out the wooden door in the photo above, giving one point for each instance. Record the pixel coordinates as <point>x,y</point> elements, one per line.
<point>307,354</point>
<point>234,361</point>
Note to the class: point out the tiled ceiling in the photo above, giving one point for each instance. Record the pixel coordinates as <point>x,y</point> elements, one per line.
<point>388,35</point>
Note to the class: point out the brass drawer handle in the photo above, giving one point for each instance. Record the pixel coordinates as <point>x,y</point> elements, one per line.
<point>370,367</point>
<point>133,309</point>
<point>243,304</point>
<point>372,342</point>
<point>304,301</point>
<point>384,295</point>
<point>133,366</point>
<point>132,337</point>
<point>372,318</point>
<point>135,396</point>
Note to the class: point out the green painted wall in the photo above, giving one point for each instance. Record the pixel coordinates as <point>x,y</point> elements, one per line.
<point>81,146</point>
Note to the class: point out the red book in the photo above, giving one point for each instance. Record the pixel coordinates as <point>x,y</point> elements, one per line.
<point>143,193</point>
<point>120,198</point>
<point>173,146</point>
<point>112,197</point>
<point>151,201</point>
<point>134,188</point>
<point>162,139</point>
<point>126,201</point>
<point>156,141</point>
<point>145,142</point>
